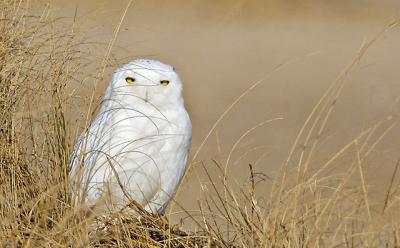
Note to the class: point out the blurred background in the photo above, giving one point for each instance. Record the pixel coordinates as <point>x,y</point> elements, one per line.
<point>221,48</point>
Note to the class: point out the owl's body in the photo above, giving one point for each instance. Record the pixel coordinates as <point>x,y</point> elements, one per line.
<point>137,146</point>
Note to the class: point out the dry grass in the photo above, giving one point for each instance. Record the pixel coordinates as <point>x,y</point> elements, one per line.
<point>309,205</point>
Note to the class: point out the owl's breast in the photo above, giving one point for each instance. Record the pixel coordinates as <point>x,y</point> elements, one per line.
<point>152,133</point>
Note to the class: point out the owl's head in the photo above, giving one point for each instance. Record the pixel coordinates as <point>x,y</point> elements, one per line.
<point>150,81</point>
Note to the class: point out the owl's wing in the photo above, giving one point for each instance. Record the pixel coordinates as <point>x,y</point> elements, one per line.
<point>120,154</point>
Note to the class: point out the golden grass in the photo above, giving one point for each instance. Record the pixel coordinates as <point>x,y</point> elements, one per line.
<point>308,206</point>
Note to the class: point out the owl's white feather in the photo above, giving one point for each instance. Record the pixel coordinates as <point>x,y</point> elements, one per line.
<point>138,144</point>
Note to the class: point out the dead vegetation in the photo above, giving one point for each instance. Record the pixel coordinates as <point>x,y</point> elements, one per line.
<point>307,206</point>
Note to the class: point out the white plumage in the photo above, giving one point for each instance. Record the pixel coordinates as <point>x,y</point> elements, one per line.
<point>137,146</point>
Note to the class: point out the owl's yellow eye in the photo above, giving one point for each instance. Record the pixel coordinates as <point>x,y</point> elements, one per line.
<point>130,80</point>
<point>164,82</point>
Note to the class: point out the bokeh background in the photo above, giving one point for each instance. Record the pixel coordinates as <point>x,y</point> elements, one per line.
<point>220,48</point>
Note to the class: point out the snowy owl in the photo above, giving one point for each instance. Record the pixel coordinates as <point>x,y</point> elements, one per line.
<point>137,146</point>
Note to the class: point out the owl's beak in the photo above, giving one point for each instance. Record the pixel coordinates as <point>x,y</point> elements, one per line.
<point>146,99</point>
